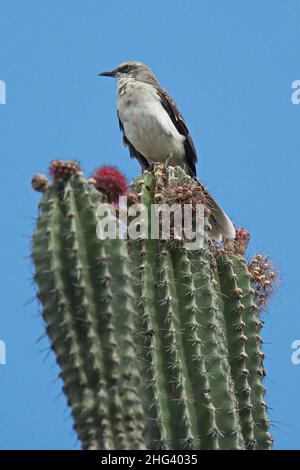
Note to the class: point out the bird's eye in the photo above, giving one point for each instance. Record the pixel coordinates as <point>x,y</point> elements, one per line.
<point>126,68</point>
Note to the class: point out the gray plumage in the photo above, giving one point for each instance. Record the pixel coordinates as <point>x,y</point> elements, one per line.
<point>154,130</point>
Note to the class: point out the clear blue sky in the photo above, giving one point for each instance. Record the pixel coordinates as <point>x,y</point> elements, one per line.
<point>229,65</point>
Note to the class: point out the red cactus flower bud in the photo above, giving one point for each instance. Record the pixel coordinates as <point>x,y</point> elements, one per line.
<point>64,170</point>
<point>111,182</point>
<point>242,238</point>
<point>239,244</point>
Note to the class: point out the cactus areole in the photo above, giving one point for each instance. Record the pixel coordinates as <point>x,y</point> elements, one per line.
<point>159,346</point>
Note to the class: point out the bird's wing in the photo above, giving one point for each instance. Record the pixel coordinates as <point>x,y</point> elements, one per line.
<point>133,152</point>
<point>178,121</point>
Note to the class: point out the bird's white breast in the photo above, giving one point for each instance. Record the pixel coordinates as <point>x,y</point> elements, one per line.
<point>147,125</point>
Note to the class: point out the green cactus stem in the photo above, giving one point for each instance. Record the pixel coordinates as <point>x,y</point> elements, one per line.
<point>198,392</point>
<point>236,328</point>
<point>254,355</point>
<point>89,314</point>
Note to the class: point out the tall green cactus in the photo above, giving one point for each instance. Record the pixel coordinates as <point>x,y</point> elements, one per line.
<point>159,346</point>
<point>203,374</point>
<point>85,287</point>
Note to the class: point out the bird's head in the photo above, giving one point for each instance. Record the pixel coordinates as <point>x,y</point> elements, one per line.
<point>132,69</point>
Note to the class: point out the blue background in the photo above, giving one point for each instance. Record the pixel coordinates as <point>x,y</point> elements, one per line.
<point>229,66</point>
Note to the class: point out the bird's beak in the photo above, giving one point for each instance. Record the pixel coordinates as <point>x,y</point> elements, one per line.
<point>108,74</point>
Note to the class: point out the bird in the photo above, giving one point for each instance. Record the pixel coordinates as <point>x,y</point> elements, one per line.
<point>155,131</point>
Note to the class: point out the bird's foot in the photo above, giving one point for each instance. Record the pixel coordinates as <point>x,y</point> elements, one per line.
<point>169,159</point>
<point>151,167</point>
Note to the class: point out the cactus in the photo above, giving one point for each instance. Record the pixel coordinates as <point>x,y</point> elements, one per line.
<point>201,352</point>
<point>85,289</point>
<point>159,345</point>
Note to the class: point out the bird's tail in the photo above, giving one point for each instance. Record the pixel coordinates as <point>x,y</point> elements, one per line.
<point>221,225</point>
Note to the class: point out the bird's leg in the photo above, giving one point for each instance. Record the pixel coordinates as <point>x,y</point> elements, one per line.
<point>151,166</point>
<point>186,169</point>
<point>169,158</point>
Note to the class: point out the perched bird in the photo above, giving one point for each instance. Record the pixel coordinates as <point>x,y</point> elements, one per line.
<point>155,132</point>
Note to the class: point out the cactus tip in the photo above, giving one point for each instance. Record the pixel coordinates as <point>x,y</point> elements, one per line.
<point>60,169</point>
<point>264,278</point>
<point>239,244</point>
<point>39,183</point>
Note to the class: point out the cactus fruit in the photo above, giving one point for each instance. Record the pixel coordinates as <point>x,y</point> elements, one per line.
<point>159,345</point>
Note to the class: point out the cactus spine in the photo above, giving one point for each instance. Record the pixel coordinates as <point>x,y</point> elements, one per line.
<point>159,346</point>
